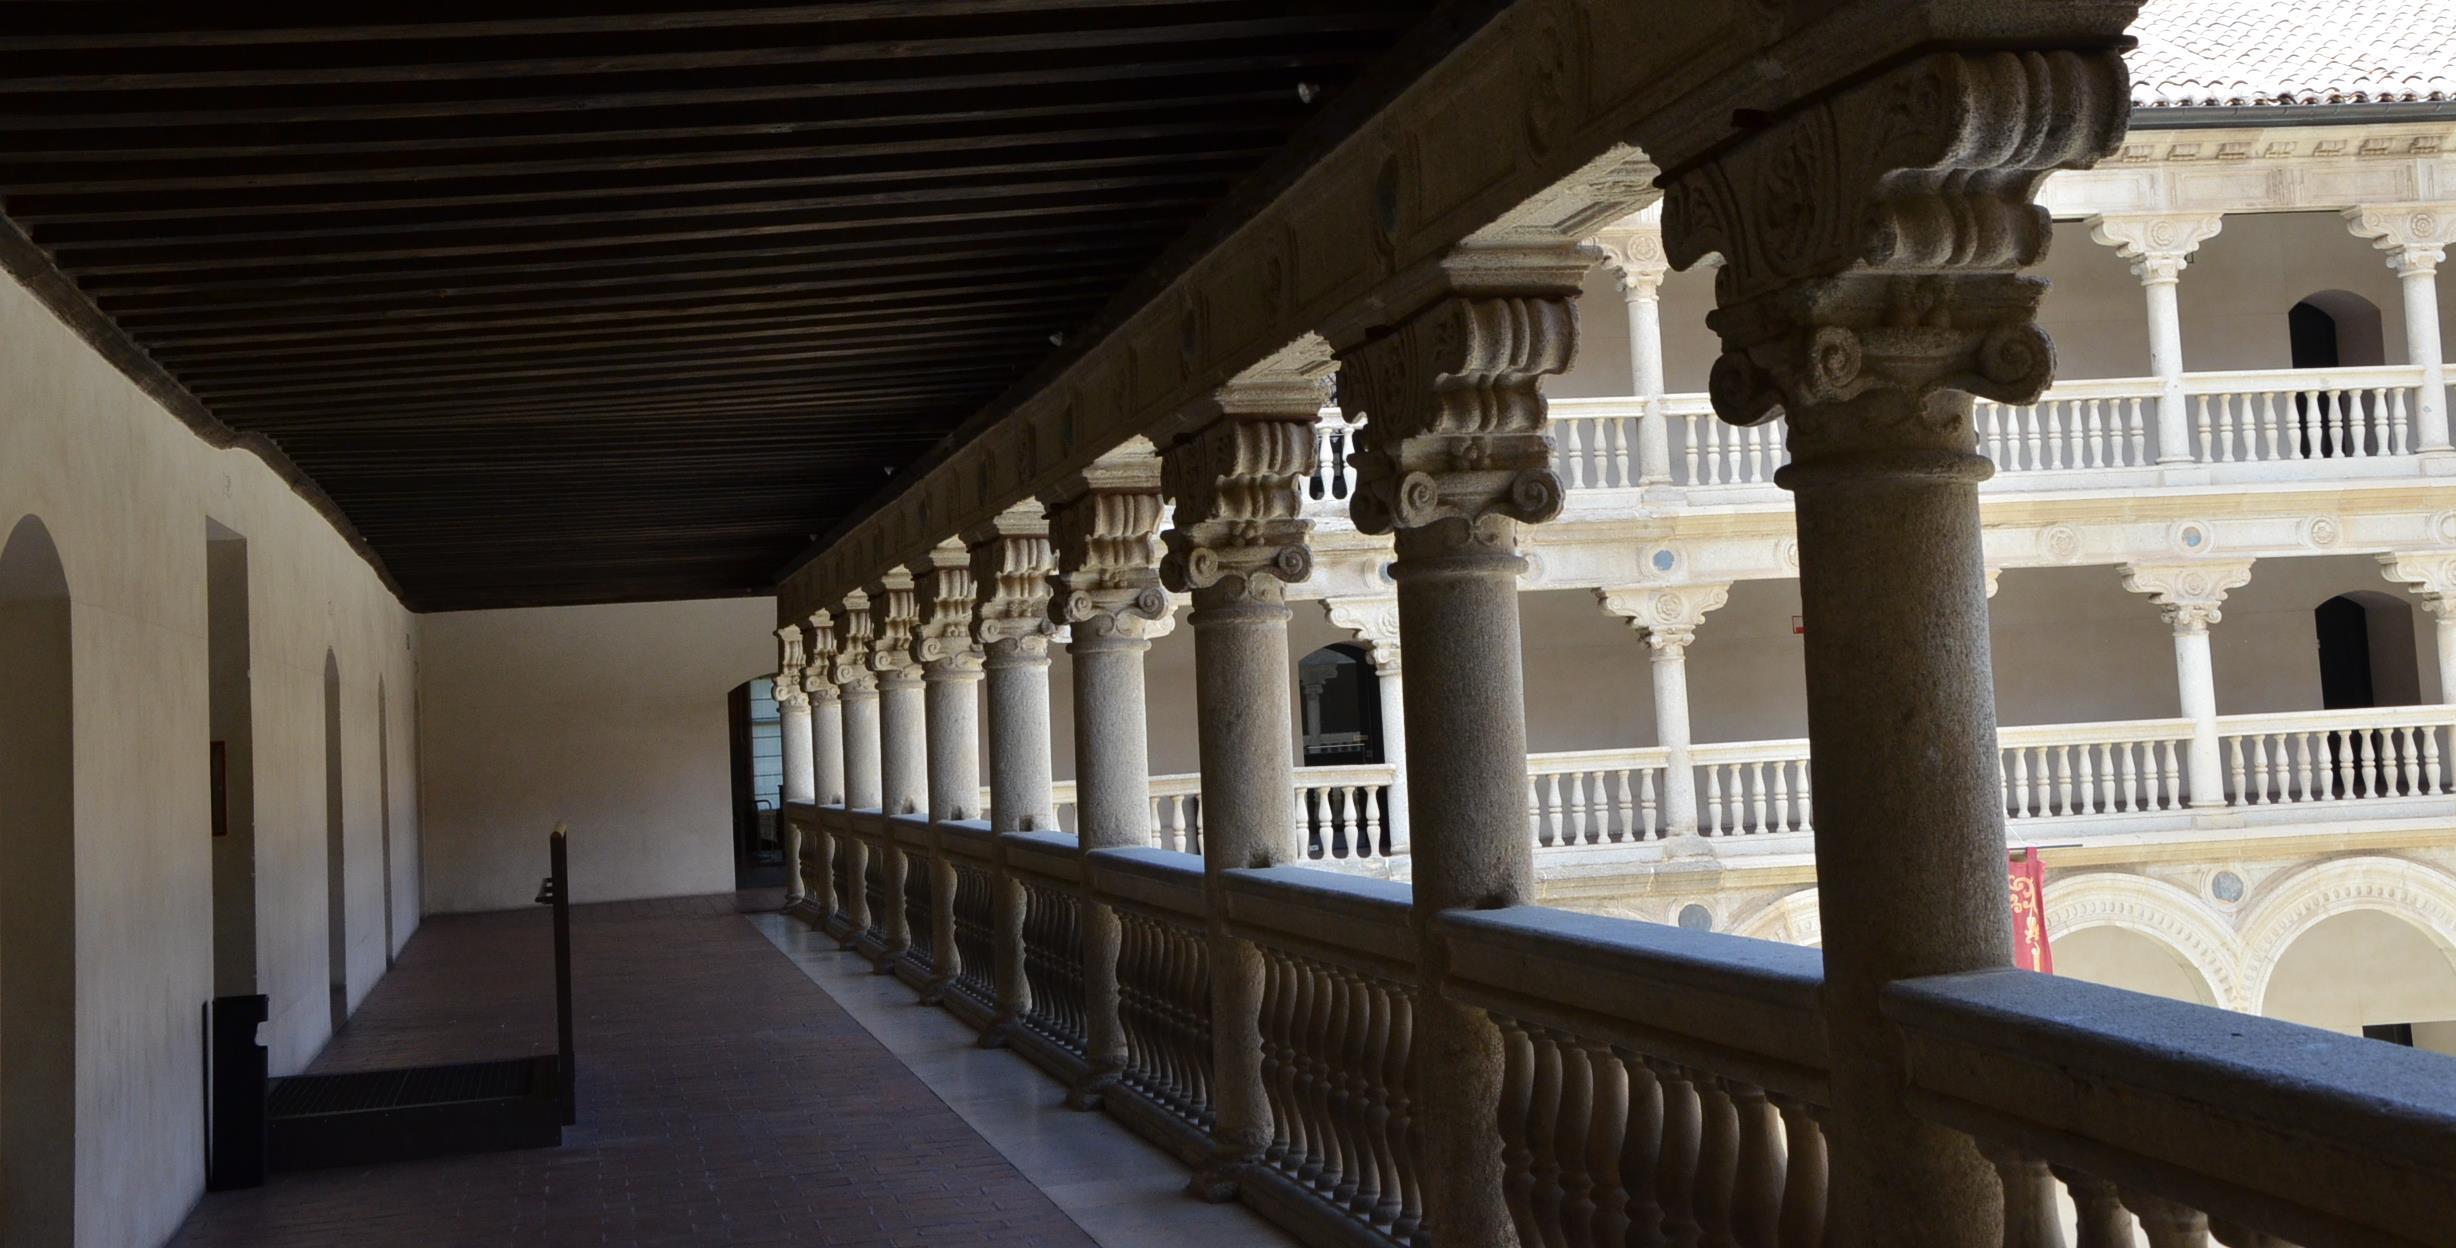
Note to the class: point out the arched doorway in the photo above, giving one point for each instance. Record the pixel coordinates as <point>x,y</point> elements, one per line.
<point>2366,651</point>
<point>38,892</point>
<point>1342,707</point>
<point>2335,329</point>
<point>2368,972</point>
<point>336,877</point>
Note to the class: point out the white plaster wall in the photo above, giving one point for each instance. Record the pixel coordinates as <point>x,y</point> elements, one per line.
<point>610,718</point>
<point>126,492</point>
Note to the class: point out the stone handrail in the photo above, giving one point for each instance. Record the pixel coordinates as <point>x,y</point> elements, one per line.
<point>2352,754</point>
<point>2269,1129</point>
<point>1357,922</point>
<point>1163,883</point>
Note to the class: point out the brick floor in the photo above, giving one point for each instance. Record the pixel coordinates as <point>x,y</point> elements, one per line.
<point>724,1099</point>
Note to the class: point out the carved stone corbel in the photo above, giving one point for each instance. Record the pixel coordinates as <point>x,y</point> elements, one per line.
<point>2431,576</point>
<point>852,650</point>
<point>1239,482</point>
<point>2188,595</point>
<point>1667,616</point>
<point>790,668</point>
<point>942,638</point>
<point>1012,562</point>
<point>1376,621</point>
<point>1103,528</point>
<point>2158,244</point>
<point>818,677</point>
<point>2415,236</point>
<point>896,611</point>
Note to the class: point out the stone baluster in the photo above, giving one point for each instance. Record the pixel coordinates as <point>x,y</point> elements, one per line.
<point>1667,616</point>
<point>903,748</point>
<point>1455,459</point>
<point>2431,575</point>
<point>793,729</point>
<point>859,689</point>
<point>1236,542</point>
<point>826,761</point>
<point>2188,595</point>
<point>950,672</point>
<point>1633,248</point>
<point>1102,525</point>
<point>1011,564</point>
<point>1376,621</point>
<point>1871,239</point>
<point>2159,245</point>
<point>2416,238</point>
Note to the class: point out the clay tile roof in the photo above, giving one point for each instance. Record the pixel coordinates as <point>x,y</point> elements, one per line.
<point>2208,53</point>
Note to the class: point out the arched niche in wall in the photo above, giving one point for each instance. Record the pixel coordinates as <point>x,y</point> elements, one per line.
<point>336,874</point>
<point>38,894</point>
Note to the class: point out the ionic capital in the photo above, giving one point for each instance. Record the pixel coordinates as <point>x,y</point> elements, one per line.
<point>1375,620</point>
<point>1103,527</point>
<point>1453,443</point>
<point>1633,250</point>
<point>2415,236</point>
<point>1239,481</point>
<point>2188,595</point>
<point>1667,616</point>
<point>852,650</point>
<point>895,609</point>
<point>791,662</point>
<point>819,678</point>
<point>942,640</point>
<point>2429,574</point>
<point>1871,240</point>
<point>1011,565</point>
<point>2158,244</point>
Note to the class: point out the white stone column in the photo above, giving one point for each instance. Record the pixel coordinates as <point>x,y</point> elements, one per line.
<point>1867,291</point>
<point>2188,595</point>
<point>2416,238</point>
<point>1633,247</point>
<point>1455,460</point>
<point>1011,565</point>
<point>2431,576</point>
<point>1236,542</point>
<point>903,750</point>
<point>1667,616</point>
<point>858,687</point>
<point>826,765</point>
<point>2159,244</point>
<point>1107,591</point>
<point>951,672</point>
<point>793,727</point>
<point>1376,621</point>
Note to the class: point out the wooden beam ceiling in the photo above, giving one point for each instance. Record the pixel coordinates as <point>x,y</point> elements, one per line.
<point>625,303</point>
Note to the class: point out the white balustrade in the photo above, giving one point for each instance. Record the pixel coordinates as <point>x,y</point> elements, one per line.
<point>1594,797</point>
<point>2302,414</point>
<point>1334,477</point>
<point>2054,770</point>
<point>1750,787</point>
<point>2094,423</point>
<point>1343,812</point>
<point>2338,756</point>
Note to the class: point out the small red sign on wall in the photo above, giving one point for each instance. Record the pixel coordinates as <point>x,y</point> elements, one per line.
<point>2031,952</point>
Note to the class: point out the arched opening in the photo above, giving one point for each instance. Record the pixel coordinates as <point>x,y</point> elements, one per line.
<point>383,779</point>
<point>1341,708</point>
<point>2334,329</point>
<point>2366,651</point>
<point>2367,972</point>
<point>230,717</point>
<point>336,878</point>
<point>38,892</point>
<point>2120,957</point>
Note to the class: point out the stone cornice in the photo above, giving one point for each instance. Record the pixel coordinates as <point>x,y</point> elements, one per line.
<point>2262,169</point>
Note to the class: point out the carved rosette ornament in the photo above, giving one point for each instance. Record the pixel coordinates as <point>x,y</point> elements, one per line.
<point>1376,620</point>
<point>1104,532</point>
<point>1870,242</point>
<point>1012,562</point>
<point>896,611</point>
<point>942,641</point>
<point>789,668</point>
<point>818,682</point>
<point>2188,595</point>
<point>1667,616</point>
<point>852,651</point>
<point>1239,483</point>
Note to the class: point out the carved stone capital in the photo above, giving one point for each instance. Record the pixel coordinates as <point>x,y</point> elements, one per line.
<point>818,678</point>
<point>2188,594</point>
<point>2429,574</point>
<point>1633,250</point>
<point>1239,483</point>
<point>1103,527</point>
<point>1871,240</point>
<point>2415,236</point>
<point>2158,244</point>
<point>1011,565</point>
<point>895,609</point>
<point>1376,620</point>
<point>791,662</point>
<point>1667,616</point>
<point>942,640</point>
<point>852,652</point>
<point>1453,434</point>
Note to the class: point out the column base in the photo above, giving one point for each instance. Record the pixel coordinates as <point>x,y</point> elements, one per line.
<point>1087,1093</point>
<point>1219,1180</point>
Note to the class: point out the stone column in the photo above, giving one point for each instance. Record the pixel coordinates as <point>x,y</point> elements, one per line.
<point>903,767</point>
<point>1376,620</point>
<point>2159,244</point>
<point>826,761</point>
<point>1667,617</point>
<point>859,689</point>
<point>2416,238</point>
<point>1869,287</point>
<point>1236,543</point>
<point>1455,460</point>
<point>2431,575</point>
<point>793,727</point>
<point>1011,564</point>
<point>1107,590</point>
<point>951,669</point>
<point>1633,248</point>
<point>2189,594</point>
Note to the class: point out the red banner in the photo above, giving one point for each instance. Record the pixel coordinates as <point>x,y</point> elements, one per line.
<point>2029,883</point>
